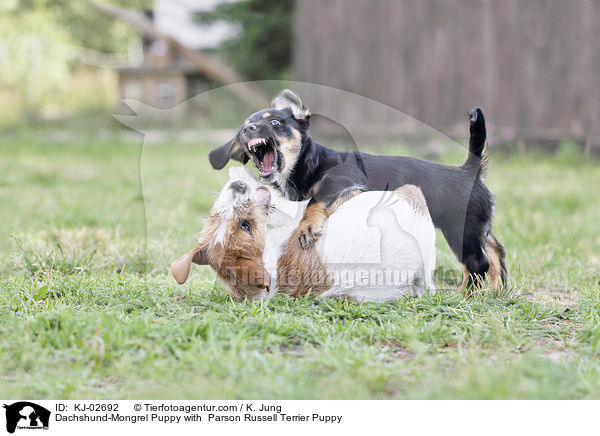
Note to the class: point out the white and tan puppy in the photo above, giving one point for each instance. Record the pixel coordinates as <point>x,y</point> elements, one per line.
<point>377,246</point>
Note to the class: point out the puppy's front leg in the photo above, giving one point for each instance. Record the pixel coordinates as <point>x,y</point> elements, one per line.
<point>311,226</point>
<point>315,215</point>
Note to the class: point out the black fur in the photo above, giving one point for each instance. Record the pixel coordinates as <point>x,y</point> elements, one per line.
<point>459,202</point>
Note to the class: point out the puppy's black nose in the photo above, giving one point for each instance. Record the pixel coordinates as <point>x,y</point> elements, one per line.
<point>251,127</point>
<point>238,186</point>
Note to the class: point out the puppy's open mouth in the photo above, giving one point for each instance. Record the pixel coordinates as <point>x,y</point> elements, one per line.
<point>264,154</point>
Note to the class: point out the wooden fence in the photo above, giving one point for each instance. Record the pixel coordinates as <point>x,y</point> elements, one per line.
<point>533,65</point>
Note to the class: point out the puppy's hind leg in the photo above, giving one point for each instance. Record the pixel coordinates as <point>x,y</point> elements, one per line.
<point>497,255</point>
<point>471,281</point>
<point>475,261</point>
<point>496,271</point>
<point>316,213</point>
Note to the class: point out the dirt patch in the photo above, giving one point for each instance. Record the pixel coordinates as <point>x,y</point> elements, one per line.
<point>395,350</point>
<point>556,296</point>
<point>557,350</point>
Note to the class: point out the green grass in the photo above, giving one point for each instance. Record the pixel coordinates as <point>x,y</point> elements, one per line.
<point>86,314</point>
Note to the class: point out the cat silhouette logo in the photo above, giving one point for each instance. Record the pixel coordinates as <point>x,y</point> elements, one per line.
<point>26,415</point>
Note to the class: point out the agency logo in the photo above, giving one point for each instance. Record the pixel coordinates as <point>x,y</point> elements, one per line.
<point>26,415</point>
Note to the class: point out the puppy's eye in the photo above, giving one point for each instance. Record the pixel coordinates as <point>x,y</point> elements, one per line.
<point>275,123</point>
<point>246,226</point>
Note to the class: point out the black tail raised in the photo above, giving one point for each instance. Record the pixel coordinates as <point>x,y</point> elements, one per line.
<point>477,141</point>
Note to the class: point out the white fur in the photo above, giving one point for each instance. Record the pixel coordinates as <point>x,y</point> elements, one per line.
<point>376,246</point>
<point>226,202</point>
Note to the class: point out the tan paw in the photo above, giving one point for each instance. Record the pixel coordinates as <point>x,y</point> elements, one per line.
<point>308,233</point>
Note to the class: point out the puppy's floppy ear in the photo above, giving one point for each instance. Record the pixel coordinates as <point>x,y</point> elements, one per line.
<point>232,150</point>
<point>288,100</point>
<point>180,268</point>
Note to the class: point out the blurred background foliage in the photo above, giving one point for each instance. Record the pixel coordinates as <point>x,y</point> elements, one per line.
<point>262,48</point>
<point>42,43</point>
<point>77,21</point>
<point>55,55</point>
<point>64,60</point>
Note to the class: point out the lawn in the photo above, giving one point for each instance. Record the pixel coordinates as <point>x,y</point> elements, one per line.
<point>84,313</point>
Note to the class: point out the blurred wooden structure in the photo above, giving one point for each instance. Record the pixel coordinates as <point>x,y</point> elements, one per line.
<point>164,78</point>
<point>198,61</point>
<point>534,66</point>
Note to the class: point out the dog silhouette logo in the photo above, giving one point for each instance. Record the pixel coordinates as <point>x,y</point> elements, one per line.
<point>26,415</point>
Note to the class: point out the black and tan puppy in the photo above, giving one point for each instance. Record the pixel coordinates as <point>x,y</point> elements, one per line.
<point>278,142</point>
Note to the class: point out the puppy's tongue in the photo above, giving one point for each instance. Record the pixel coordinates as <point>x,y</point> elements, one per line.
<point>263,194</point>
<point>267,162</point>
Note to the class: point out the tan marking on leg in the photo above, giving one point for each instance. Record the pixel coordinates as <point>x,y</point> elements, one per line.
<point>463,287</point>
<point>491,249</point>
<point>311,225</point>
<point>315,215</point>
<point>493,273</point>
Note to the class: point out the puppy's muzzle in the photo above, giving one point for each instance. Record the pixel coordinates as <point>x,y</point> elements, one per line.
<point>250,128</point>
<point>238,187</point>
